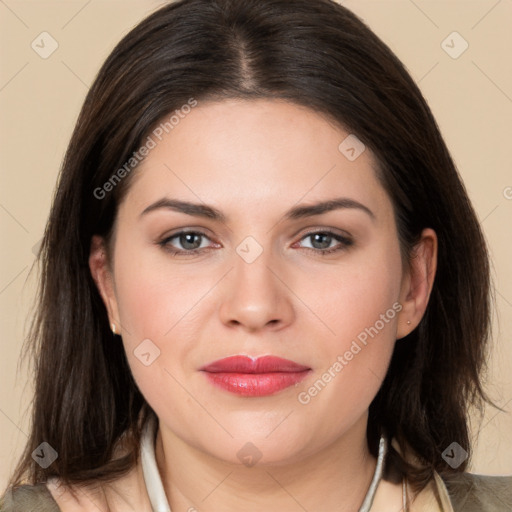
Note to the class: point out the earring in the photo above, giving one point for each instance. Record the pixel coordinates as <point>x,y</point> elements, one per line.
<point>408,322</point>
<point>113,327</point>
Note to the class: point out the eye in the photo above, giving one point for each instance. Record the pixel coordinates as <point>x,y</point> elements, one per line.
<point>190,242</point>
<point>321,242</point>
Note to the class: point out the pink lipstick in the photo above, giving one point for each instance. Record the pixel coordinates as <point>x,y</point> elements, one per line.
<point>263,376</point>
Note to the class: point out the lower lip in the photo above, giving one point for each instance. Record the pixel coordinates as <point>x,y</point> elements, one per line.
<point>255,384</point>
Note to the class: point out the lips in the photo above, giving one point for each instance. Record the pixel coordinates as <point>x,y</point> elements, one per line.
<point>263,376</point>
<point>245,364</point>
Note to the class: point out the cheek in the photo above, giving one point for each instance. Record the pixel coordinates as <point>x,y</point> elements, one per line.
<point>155,312</point>
<point>359,305</point>
<point>355,296</point>
<point>154,296</point>
<point>163,309</point>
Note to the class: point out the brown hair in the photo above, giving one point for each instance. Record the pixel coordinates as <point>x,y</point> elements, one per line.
<point>313,53</point>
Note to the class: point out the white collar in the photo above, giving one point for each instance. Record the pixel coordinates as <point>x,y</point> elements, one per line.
<point>155,487</point>
<point>150,471</point>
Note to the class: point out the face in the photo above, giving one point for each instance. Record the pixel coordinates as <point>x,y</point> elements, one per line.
<point>259,273</point>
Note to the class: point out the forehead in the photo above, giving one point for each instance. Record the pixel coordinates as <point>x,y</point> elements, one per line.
<point>249,153</point>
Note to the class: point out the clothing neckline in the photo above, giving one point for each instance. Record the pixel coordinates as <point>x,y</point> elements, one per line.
<point>155,488</point>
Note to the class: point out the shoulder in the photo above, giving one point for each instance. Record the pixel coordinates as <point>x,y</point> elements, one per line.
<point>28,498</point>
<point>470,492</point>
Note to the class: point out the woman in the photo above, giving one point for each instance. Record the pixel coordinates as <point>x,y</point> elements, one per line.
<point>264,286</point>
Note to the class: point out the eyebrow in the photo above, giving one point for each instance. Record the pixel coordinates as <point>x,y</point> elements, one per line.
<point>297,212</point>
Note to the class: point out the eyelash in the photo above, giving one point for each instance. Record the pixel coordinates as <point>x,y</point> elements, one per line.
<point>344,241</point>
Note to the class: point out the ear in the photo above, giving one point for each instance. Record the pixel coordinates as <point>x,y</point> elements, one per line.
<point>103,277</point>
<point>417,282</point>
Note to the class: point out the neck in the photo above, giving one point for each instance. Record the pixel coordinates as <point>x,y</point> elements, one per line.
<point>335,478</point>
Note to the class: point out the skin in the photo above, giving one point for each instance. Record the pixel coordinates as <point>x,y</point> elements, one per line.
<point>253,161</point>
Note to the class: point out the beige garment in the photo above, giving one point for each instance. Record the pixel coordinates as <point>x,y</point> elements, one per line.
<point>427,500</point>
<point>460,492</point>
<point>433,498</point>
<point>456,492</point>
<point>129,494</point>
<point>471,493</point>
<point>122,497</point>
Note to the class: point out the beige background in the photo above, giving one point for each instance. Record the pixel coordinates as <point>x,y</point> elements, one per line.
<point>471,97</point>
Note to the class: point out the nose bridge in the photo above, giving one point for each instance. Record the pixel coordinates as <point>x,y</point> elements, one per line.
<point>256,296</point>
<point>253,263</point>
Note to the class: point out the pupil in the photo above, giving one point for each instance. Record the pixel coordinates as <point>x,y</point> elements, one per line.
<point>324,245</point>
<point>186,243</point>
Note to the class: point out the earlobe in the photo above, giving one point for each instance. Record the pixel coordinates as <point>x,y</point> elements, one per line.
<point>102,276</point>
<point>418,282</point>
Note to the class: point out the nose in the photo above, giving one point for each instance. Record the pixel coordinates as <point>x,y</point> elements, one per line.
<point>256,295</point>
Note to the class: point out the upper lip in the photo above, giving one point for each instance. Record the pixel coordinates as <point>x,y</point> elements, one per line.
<point>246,364</point>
